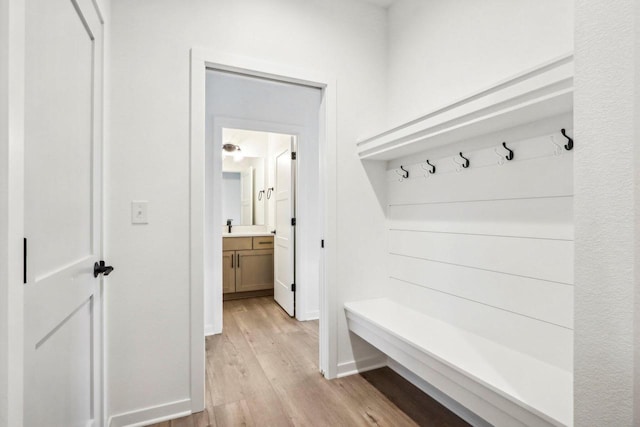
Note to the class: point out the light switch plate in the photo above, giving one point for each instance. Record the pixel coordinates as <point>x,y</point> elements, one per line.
<point>139,212</point>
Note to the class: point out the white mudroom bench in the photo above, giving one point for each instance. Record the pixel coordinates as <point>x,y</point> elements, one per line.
<point>500,385</point>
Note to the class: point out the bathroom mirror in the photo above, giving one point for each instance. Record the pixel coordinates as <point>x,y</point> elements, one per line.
<point>243,192</point>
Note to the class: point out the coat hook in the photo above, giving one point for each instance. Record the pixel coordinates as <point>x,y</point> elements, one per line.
<point>460,166</point>
<point>269,191</point>
<point>406,172</point>
<point>260,193</point>
<point>431,170</point>
<point>433,167</point>
<point>510,155</point>
<point>466,161</point>
<point>569,145</point>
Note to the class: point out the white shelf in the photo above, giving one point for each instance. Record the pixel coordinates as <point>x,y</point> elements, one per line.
<point>543,92</point>
<point>466,366</point>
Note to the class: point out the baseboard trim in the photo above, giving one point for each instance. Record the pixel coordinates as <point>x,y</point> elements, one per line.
<point>362,365</point>
<point>437,395</point>
<point>152,415</point>
<point>210,330</point>
<point>311,315</point>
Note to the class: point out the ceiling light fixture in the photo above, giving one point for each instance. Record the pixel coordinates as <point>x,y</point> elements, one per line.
<point>234,150</point>
<point>230,148</point>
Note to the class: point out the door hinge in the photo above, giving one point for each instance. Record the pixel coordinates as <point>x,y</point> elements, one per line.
<point>293,287</point>
<point>293,155</point>
<point>322,243</point>
<point>24,261</point>
<point>293,222</point>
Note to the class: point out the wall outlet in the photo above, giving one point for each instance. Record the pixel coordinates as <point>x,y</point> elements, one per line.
<point>139,212</point>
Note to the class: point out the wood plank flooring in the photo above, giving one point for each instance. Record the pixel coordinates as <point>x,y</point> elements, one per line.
<point>262,371</point>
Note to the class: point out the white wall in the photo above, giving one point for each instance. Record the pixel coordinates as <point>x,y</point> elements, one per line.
<point>440,51</point>
<point>607,311</point>
<point>147,302</point>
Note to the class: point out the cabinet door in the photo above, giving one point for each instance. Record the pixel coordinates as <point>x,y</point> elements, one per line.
<point>228,272</point>
<point>254,270</point>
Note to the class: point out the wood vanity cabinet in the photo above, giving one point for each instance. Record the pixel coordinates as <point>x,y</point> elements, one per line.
<point>247,265</point>
<point>228,272</point>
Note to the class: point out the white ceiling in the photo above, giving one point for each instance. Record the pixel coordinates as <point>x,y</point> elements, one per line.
<point>381,3</point>
<point>253,144</point>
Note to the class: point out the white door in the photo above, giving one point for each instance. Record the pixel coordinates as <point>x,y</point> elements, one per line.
<point>246,197</point>
<point>284,251</point>
<point>63,222</point>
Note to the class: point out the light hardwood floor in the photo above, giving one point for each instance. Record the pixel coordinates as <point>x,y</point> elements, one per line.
<point>262,371</point>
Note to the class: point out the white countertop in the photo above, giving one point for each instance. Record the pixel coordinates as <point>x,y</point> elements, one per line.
<point>247,234</point>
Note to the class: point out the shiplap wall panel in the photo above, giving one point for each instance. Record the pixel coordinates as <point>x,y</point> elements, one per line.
<point>549,217</point>
<point>536,258</point>
<point>489,248</point>
<point>544,341</point>
<point>540,177</point>
<point>538,299</point>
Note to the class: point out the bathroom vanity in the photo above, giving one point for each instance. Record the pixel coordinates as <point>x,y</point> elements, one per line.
<point>247,265</point>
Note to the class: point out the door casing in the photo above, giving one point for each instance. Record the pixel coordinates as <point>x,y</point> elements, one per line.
<point>201,59</point>
<point>12,67</point>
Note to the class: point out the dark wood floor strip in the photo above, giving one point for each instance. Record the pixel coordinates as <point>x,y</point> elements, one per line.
<point>263,371</point>
<point>420,407</point>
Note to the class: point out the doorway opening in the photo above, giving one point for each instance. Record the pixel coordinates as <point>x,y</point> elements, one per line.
<point>263,211</point>
<point>288,114</point>
<point>316,182</point>
<point>258,205</point>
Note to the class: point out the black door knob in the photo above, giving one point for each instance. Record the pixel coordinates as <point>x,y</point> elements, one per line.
<point>100,268</point>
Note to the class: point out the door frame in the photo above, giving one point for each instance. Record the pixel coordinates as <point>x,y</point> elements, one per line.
<point>200,60</point>
<point>12,70</point>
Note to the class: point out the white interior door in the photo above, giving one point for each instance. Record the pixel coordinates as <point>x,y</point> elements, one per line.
<point>246,197</point>
<point>284,250</point>
<point>63,222</point>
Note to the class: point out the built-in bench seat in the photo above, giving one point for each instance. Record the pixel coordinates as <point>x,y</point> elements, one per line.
<point>500,385</point>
